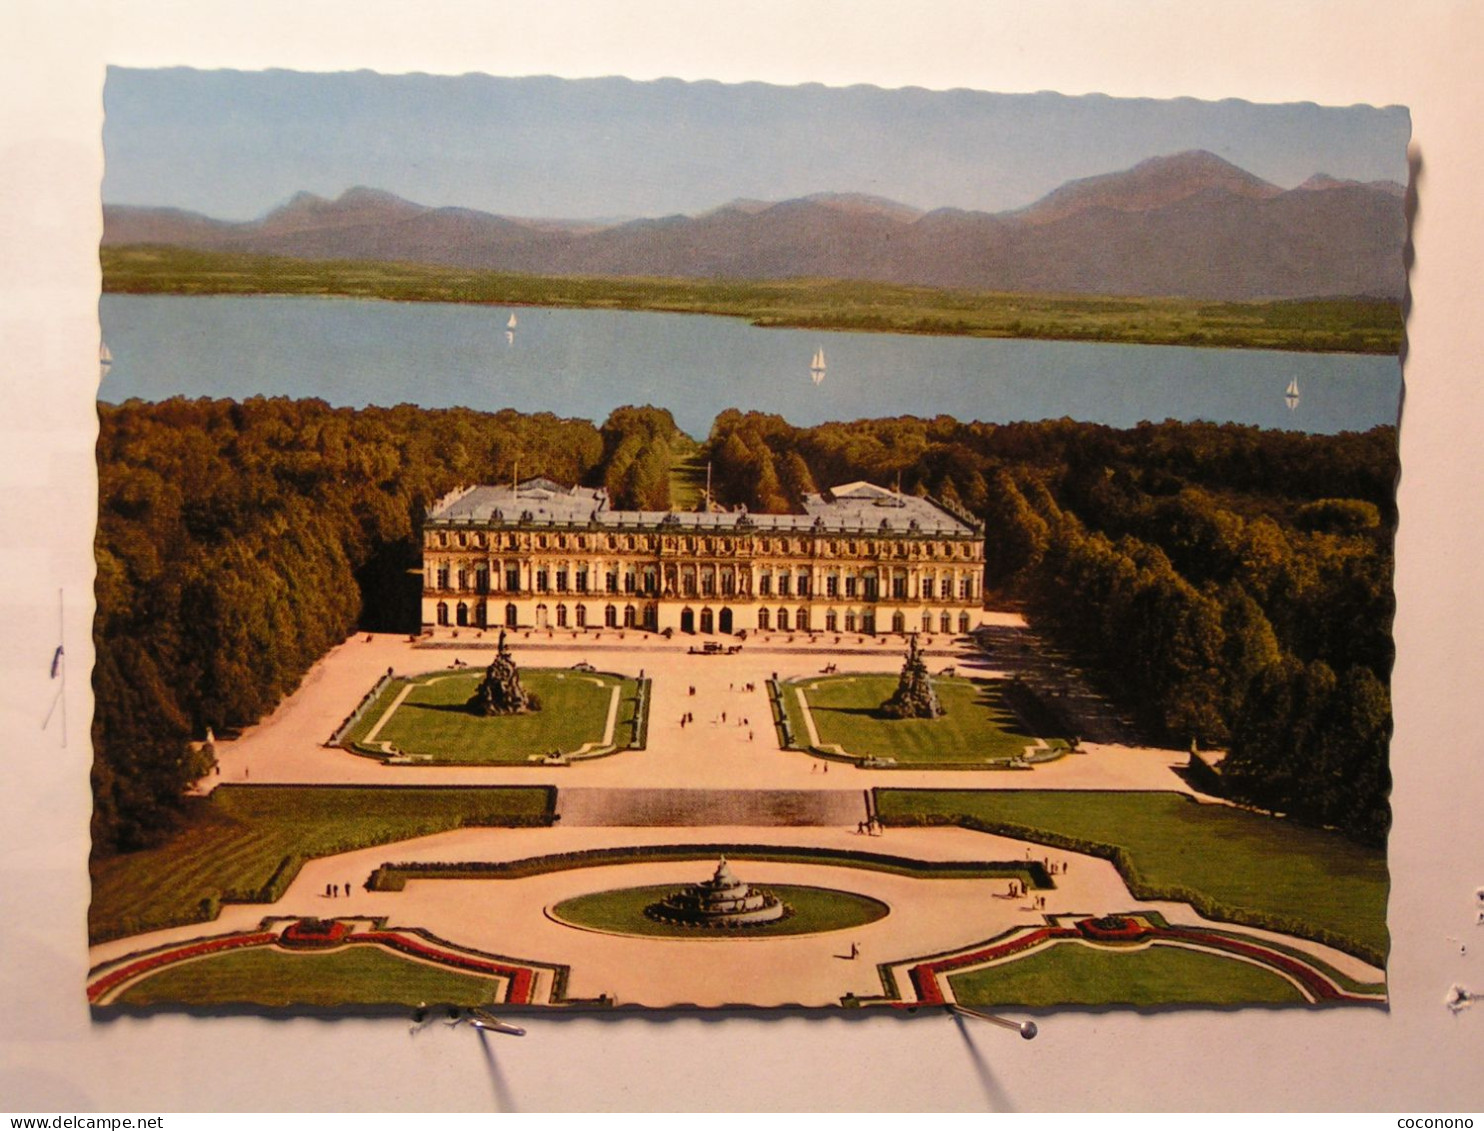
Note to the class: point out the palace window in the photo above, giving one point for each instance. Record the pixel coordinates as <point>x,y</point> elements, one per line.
<point>512,618</point>
<point>582,581</point>
<point>963,622</point>
<point>801,620</point>
<point>561,616</point>
<point>849,585</point>
<point>728,582</point>
<point>782,620</point>
<point>481,615</point>
<point>561,580</point>
<point>630,616</point>
<point>543,581</point>
<point>481,579</point>
<point>832,586</point>
<point>610,616</point>
<point>927,588</point>
<point>463,578</point>
<point>630,583</point>
<point>784,585</point>
<point>803,585</point>
<point>898,622</point>
<point>831,621</point>
<point>708,582</point>
<point>512,580</point>
<point>850,620</point>
<point>765,585</point>
<point>651,581</point>
<point>927,622</point>
<point>899,588</point>
<point>945,623</point>
<point>611,582</point>
<point>442,612</point>
<point>443,577</point>
<point>762,618</point>
<point>966,589</point>
<point>541,541</point>
<point>581,616</point>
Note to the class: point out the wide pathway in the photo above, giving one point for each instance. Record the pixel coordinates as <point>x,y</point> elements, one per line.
<point>731,744</point>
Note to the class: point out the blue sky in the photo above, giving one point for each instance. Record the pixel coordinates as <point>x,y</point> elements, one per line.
<point>235,144</point>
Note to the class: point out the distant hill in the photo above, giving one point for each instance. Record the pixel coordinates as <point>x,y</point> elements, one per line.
<point>1190,224</point>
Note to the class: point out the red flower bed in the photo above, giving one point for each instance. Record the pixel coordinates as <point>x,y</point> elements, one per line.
<point>315,932</point>
<point>173,955</point>
<point>1114,928</point>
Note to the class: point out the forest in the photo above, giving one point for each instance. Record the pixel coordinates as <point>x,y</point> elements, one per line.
<point>239,542</point>
<point>1230,586</point>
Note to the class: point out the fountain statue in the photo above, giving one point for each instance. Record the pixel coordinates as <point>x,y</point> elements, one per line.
<point>914,697</point>
<point>500,692</point>
<point>722,901</point>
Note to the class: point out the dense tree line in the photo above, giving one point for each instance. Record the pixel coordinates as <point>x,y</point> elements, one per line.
<point>1230,585</point>
<point>238,542</point>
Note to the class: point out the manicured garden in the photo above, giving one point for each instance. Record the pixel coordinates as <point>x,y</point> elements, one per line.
<point>978,727</point>
<point>361,975</point>
<point>430,722</point>
<point>1231,864</point>
<point>1077,974</point>
<point>246,843</point>
<point>813,910</point>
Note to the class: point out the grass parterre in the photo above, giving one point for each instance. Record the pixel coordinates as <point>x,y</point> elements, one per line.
<point>424,718</point>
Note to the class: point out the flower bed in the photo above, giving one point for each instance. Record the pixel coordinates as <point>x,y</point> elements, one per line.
<point>303,933</point>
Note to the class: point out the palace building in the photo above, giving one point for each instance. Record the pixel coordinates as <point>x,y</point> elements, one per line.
<point>860,559</point>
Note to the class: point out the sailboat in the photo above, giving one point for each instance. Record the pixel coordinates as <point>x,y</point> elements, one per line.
<point>512,323</point>
<point>816,367</point>
<point>105,358</point>
<point>1291,396</point>
<point>510,330</point>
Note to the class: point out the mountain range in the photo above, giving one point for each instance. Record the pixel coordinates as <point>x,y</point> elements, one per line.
<point>1190,224</point>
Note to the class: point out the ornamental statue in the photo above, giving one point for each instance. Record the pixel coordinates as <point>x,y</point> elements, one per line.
<point>914,697</point>
<point>500,692</point>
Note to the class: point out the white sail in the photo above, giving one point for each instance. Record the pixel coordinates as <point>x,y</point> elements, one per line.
<point>818,362</point>
<point>1292,388</point>
<point>105,355</point>
<point>511,324</point>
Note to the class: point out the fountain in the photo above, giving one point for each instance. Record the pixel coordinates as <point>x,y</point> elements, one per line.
<point>500,692</point>
<point>914,697</point>
<point>720,902</point>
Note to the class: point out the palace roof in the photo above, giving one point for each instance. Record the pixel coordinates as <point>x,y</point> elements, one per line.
<point>857,508</point>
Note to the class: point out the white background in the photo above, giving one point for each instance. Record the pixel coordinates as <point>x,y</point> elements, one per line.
<point>1417,1057</point>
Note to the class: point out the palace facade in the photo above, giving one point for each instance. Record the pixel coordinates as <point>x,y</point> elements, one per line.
<point>860,559</point>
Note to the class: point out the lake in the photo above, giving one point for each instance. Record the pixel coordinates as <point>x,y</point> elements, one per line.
<point>585,363</point>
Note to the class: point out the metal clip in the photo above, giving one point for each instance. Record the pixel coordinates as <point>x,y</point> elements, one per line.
<point>1027,1029</point>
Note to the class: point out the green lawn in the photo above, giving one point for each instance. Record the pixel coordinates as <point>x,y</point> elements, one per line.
<point>1233,864</point>
<point>1076,974</point>
<point>247,842</point>
<point>977,728</point>
<point>431,721</point>
<point>814,910</point>
<point>357,975</point>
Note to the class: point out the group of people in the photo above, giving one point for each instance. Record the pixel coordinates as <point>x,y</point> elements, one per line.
<point>869,827</point>
<point>332,891</point>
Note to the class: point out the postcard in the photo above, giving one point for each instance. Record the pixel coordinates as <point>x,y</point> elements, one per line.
<point>593,544</point>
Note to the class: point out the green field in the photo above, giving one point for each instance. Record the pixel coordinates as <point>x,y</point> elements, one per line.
<point>1077,974</point>
<point>431,722</point>
<point>247,842</point>
<point>814,910</point>
<point>1329,325</point>
<point>977,728</point>
<point>1232,864</point>
<point>356,975</point>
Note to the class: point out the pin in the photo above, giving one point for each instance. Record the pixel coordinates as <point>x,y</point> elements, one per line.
<point>1027,1029</point>
<point>482,1020</point>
